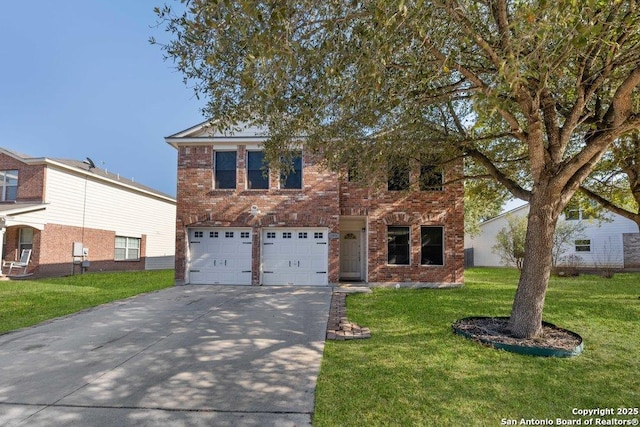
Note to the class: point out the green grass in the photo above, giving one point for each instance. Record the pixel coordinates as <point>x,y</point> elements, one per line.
<point>28,302</point>
<point>415,371</point>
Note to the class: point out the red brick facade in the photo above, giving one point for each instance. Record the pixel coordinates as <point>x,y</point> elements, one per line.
<point>324,201</point>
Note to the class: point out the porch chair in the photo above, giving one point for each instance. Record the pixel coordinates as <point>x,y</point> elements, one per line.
<point>22,263</point>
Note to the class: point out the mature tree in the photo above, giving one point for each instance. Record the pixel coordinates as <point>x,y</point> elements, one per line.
<point>533,91</point>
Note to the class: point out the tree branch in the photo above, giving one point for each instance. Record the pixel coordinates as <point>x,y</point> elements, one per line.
<point>607,204</point>
<point>550,116</point>
<point>497,174</point>
<point>621,105</point>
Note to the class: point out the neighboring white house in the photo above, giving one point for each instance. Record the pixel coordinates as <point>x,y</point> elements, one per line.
<point>612,241</point>
<point>73,216</point>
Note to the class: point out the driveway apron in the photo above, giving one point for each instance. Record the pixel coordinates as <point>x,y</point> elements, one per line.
<point>187,355</point>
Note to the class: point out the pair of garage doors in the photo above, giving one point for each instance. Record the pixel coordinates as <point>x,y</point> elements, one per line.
<point>289,256</point>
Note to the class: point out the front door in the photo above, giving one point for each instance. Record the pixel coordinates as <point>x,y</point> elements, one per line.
<point>350,255</point>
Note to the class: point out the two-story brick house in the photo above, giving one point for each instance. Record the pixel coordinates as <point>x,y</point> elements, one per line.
<point>238,223</point>
<point>57,206</point>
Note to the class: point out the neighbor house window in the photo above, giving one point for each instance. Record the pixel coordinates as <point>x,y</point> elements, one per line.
<point>257,171</point>
<point>432,246</point>
<point>127,248</point>
<point>398,178</point>
<point>574,212</point>
<point>583,245</point>
<point>398,245</point>
<point>292,178</point>
<point>430,178</point>
<point>225,169</point>
<point>9,183</point>
<point>25,239</point>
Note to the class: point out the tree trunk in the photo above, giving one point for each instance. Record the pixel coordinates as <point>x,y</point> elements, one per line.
<point>526,313</point>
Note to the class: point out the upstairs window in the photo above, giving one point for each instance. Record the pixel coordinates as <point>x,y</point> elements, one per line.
<point>127,248</point>
<point>257,171</point>
<point>574,214</point>
<point>398,178</point>
<point>580,211</point>
<point>430,178</point>
<point>398,245</point>
<point>225,170</point>
<point>292,178</point>
<point>354,174</point>
<point>9,183</point>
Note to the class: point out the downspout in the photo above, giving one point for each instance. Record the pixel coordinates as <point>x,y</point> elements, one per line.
<point>3,229</point>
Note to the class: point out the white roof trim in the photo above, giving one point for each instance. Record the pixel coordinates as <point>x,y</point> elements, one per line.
<point>189,131</point>
<point>175,142</point>
<point>193,136</point>
<point>22,209</point>
<point>245,130</point>
<point>12,217</point>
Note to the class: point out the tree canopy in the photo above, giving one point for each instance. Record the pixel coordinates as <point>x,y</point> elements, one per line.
<point>615,182</point>
<point>533,92</point>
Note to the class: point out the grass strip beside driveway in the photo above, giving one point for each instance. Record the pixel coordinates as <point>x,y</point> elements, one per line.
<point>28,302</point>
<point>415,371</point>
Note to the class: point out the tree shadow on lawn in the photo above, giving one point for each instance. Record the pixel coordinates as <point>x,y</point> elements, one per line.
<point>414,370</point>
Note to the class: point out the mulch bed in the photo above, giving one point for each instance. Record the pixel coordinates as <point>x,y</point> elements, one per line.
<point>496,329</point>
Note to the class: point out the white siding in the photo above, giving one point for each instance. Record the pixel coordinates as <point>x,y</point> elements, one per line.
<point>483,243</point>
<point>605,238</point>
<point>606,241</point>
<point>78,201</point>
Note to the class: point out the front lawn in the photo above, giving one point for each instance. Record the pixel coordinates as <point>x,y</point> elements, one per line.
<point>28,302</point>
<point>415,371</point>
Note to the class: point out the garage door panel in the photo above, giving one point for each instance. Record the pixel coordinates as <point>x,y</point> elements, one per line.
<point>220,256</point>
<point>295,256</point>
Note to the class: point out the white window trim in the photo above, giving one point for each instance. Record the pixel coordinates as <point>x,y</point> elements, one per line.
<point>127,248</point>
<point>24,243</point>
<point>3,184</point>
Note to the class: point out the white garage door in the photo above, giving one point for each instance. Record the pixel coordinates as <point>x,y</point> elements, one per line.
<point>295,256</point>
<point>220,256</point>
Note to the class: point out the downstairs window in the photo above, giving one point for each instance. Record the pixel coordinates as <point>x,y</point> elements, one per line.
<point>127,248</point>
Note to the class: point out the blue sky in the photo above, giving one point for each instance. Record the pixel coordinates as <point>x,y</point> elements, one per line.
<point>78,78</point>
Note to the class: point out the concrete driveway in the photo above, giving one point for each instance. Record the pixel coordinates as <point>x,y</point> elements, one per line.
<point>184,356</point>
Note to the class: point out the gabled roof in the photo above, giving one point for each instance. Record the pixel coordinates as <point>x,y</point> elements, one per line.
<point>513,211</point>
<point>84,168</point>
<point>204,132</point>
